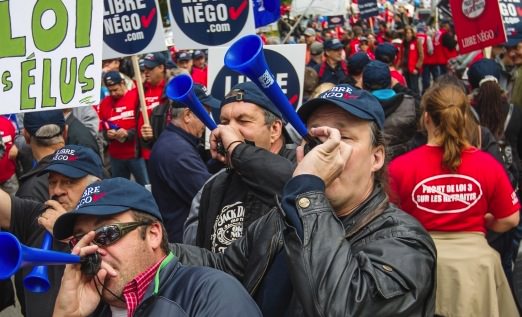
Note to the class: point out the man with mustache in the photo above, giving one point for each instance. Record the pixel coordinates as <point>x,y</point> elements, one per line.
<point>70,170</point>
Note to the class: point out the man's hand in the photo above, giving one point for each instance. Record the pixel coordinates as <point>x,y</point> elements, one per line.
<point>146,132</point>
<point>79,294</point>
<point>228,137</point>
<point>326,160</point>
<point>121,135</point>
<point>13,153</point>
<point>49,216</point>
<point>111,134</point>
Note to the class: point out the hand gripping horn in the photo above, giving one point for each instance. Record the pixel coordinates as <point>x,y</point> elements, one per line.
<point>246,57</point>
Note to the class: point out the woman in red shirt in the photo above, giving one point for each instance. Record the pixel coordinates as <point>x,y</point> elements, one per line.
<point>412,56</point>
<point>457,191</point>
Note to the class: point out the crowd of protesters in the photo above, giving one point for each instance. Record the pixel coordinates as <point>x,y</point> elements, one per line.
<point>407,207</point>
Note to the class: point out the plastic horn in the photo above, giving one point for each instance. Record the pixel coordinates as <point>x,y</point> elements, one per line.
<point>14,255</point>
<point>180,90</point>
<point>246,57</point>
<point>38,281</point>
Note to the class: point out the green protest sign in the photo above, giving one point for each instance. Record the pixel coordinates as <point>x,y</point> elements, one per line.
<point>50,54</point>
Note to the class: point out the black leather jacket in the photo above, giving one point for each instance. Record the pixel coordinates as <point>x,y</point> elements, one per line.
<point>378,262</point>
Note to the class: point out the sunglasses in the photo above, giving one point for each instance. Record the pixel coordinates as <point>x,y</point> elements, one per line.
<point>109,234</point>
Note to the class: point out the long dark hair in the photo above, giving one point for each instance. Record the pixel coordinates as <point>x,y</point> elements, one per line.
<point>488,103</point>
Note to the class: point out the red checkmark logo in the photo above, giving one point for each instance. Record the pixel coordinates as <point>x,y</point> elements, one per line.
<point>146,20</point>
<point>293,99</point>
<point>235,13</point>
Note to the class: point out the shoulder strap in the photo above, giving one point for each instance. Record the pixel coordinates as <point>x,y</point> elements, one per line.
<point>508,117</point>
<point>321,69</point>
<point>344,66</point>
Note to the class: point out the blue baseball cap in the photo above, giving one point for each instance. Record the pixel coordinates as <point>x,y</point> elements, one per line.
<point>376,75</point>
<point>332,44</point>
<point>385,52</point>
<point>249,92</point>
<point>152,60</point>
<point>357,102</point>
<point>357,62</point>
<point>106,198</point>
<point>35,120</point>
<point>184,56</point>
<point>482,68</point>
<point>112,78</point>
<point>75,161</point>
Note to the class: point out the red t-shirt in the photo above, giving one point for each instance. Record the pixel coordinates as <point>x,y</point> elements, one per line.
<point>7,133</point>
<point>121,112</point>
<point>199,75</point>
<point>454,202</point>
<point>398,76</point>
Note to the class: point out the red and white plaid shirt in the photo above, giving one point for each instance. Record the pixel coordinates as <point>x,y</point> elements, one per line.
<point>135,289</point>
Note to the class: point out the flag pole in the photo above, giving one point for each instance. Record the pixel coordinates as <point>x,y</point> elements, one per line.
<point>141,93</point>
<point>297,22</point>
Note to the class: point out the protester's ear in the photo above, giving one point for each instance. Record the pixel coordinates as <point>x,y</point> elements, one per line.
<point>378,157</point>
<point>276,130</point>
<point>27,136</point>
<point>155,235</point>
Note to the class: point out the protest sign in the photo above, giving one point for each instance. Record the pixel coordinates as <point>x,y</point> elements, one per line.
<point>511,11</point>
<point>323,7</point>
<point>286,62</point>
<point>132,27</point>
<point>50,54</point>
<point>202,23</point>
<point>368,8</point>
<point>478,24</point>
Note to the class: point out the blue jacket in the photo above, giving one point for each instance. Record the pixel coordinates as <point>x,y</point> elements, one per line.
<point>176,172</point>
<point>179,290</point>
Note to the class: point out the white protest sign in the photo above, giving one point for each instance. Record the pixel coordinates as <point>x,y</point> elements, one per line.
<point>132,27</point>
<point>286,62</point>
<point>322,7</point>
<point>50,54</point>
<point>202,23</point>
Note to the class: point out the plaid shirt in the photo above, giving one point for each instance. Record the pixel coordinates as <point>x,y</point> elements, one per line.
<point>135,289</point>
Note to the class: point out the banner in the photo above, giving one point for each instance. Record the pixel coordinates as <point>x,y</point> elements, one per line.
<point>368,9</point>
<point>512,15</point>
<point>334,20</point>
<point>202,23</point>
<point>318,7</point>
<point>478,24</point>
<point>132,27</point>
<point>287,63</point>
<point>266,12</point>
<point>50,54</point>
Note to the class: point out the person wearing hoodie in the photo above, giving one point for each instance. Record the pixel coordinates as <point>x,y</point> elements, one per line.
<point>400,109</point>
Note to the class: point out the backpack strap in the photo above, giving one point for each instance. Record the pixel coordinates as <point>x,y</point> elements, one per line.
<point>321,69</point>
<point>508,117</point>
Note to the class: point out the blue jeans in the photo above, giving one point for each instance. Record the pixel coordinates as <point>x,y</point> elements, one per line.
<point>136,167</point>
<point>428,70</point>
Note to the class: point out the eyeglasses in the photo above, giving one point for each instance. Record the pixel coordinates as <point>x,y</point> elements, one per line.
<point>109,234</point>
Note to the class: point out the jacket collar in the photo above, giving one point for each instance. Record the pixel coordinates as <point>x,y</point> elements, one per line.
<point>184,134</point>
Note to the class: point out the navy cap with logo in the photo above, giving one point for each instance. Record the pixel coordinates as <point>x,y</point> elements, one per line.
<point>107,198</point>
<point>198,54</point>
<point>249,92</point>
<point>376,75</point>
<point>152,60</point>
<point>184,56</point>
<point>75,161</point>
<point>35,120</point>
<point>205,97</point>
<point>112,78</point>
<point>385,52</point>
<point>333,44</point>
<point>482,68</point>
<point>357,102</point>
<point>357,62</point>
